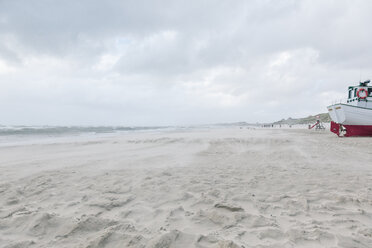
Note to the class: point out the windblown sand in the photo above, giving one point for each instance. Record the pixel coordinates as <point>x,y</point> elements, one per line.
<point>201,188</point>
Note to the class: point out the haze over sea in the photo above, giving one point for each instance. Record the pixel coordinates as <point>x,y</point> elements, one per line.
<point>20,135</point>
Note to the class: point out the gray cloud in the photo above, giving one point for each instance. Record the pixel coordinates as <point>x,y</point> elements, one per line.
<point>178,62</point>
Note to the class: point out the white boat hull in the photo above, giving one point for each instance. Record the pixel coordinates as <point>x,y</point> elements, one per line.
<point>350,115</point>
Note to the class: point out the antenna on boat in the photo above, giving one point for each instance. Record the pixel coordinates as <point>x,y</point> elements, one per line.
<point>360,73</point>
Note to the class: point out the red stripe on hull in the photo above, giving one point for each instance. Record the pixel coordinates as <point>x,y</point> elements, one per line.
<point>335,128</point>
<point>351,130</point>
<point>354,130</point>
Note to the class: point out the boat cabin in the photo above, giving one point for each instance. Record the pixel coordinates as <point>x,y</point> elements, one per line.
<point>360,95</point>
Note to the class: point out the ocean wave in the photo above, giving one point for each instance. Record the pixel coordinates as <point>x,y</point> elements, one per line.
<point>62,130</point>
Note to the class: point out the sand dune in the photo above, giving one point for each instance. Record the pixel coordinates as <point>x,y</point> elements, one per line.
<point>208,188</point>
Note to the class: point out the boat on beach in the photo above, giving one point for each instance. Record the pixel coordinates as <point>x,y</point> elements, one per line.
<point>353,117</point>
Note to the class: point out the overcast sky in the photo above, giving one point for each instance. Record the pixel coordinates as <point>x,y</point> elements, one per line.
<point>178,62</point>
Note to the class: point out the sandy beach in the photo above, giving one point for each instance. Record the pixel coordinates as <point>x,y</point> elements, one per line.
<point>226,187</point>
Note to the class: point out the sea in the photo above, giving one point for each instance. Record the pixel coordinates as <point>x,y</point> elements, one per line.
<point>23,135</point>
